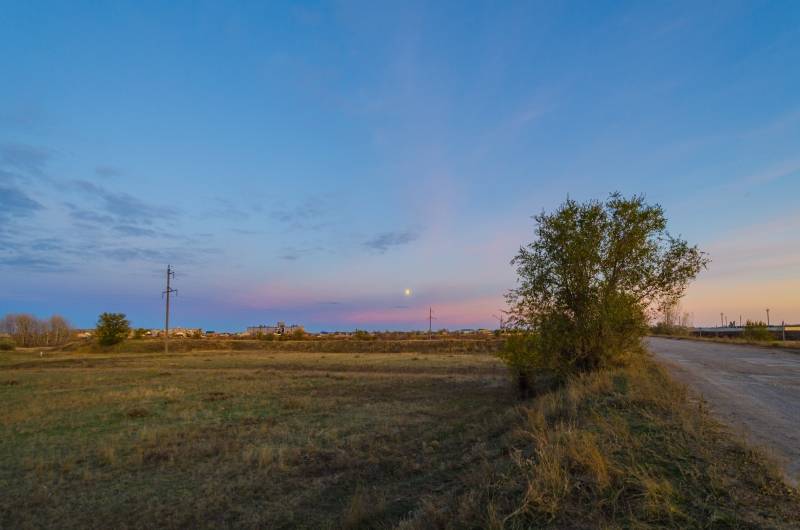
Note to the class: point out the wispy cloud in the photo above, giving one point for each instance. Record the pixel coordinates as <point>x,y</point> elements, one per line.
<point>135,231</point>
<point>311,214</point>
<point>292,253</point>
<point>225,209</point>
<point>32,263</point>
<point>107,171</point>
<point>383,242</point>
<point>773,173</point>
<point>25,159</point>
<point>16,203</point>
<point>123,206</point>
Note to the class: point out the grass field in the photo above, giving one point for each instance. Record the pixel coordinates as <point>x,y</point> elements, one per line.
<point>347,440</point>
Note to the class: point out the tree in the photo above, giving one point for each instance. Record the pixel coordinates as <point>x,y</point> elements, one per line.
<point>112,328</point>
<point>588,280</point>
<point>59,330</point>
<point>27,330</point>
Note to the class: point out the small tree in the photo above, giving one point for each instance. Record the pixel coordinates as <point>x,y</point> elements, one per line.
<point>112,328</point>
<point>587,281</point>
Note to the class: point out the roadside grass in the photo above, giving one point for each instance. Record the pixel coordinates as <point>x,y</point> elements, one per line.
<point>346,440</point>
<point>781,344</point>
<point>623,448</point>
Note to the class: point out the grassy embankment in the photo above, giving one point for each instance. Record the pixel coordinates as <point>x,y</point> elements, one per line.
<point>409,440</point>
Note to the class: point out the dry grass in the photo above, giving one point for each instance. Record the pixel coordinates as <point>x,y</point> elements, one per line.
<point>483,344</point>
<point>782,344</point>
<point>237,439</point>
<point>625,448</point>
<point>344,440</point>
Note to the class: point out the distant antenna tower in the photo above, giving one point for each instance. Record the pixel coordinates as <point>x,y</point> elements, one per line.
<point>430,323</point>
<point>169,290</point>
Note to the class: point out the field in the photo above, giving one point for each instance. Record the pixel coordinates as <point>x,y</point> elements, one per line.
<point>362,440</point>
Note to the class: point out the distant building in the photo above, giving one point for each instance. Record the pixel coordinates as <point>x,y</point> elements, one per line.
<point>278,329</point>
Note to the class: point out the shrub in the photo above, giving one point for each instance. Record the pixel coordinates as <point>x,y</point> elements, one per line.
<point>7,344</point>
<point>360,334</point>
<point>757,331</point>
<point>112,328</point>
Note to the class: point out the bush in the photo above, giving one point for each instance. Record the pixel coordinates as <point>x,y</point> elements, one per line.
<point>523,354</point>
<point>360,334</point>
<point>757,331</point>
<point>112,328</point>
<point>7,344</point>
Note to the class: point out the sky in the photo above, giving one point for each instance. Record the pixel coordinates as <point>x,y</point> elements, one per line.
<point>308,162</point>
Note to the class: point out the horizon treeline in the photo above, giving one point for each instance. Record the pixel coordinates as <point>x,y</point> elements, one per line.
<point>27,330</point>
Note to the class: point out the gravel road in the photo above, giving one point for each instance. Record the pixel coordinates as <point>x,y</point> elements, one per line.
<point>751,388</point>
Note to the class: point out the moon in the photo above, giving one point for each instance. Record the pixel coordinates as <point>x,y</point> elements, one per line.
<point>407,291</point>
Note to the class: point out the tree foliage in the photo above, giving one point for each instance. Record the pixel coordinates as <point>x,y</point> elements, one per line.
<point>28,330</point>
<point>112,328</point>
<point>587,281</point>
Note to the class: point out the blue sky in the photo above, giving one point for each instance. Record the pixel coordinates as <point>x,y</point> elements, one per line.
<point>309,161</point>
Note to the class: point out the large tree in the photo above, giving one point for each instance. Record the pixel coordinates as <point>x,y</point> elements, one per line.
<point>587,281</point>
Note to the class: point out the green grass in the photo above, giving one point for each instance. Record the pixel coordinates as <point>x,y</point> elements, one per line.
<point>350,440</point>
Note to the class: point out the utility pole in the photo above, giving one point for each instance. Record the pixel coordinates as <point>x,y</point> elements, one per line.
<point>170,275</point>
<point>722,320</point>
<point>430,323</point>
<point>500,318</point>
<point>767,317</point>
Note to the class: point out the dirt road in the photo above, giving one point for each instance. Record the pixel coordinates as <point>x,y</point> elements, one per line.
<point>751,388</point>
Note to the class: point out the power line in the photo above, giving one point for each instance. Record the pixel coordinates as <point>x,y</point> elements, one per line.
<point>167,292</point>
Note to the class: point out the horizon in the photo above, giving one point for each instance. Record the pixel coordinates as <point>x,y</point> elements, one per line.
<point>309,163</point>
